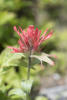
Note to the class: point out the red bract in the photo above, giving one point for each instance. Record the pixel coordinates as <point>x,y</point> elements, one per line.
<point>30,39</point>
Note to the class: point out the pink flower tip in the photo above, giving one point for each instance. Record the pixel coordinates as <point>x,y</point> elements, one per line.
<point>52,64</point>
<point>10,47</point>
<point>15,29</point>
<point>54,56</point>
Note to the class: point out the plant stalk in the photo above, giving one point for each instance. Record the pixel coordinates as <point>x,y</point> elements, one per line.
<point>29,65</point>
<point>28,72</point>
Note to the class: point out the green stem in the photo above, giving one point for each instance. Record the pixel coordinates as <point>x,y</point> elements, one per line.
<point>29,65</point>
<point>28,72</point>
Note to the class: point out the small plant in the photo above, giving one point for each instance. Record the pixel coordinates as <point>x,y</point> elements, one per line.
<point>29,43</point>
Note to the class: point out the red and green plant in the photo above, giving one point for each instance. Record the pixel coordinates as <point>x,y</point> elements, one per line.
<point>29,43</point>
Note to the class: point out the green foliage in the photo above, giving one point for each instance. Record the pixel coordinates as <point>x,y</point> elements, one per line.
<point>9,59</point>
<point>3,96</point>
<point>26,85</point>
<point>22,92</point>
<point>17,93</point>
<point>8,64</point>
<point>5,17</point>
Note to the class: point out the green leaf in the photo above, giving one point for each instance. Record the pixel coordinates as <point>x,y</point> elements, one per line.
<point>43,57</point>
<point>27,85</point>
<point>17,92</point>
<point>6,16</point>
<point>10,59</point>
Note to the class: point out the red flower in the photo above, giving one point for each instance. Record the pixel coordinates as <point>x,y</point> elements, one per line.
<point>30,39</point>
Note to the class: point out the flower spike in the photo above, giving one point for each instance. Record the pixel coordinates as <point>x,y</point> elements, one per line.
<point>30,39</point>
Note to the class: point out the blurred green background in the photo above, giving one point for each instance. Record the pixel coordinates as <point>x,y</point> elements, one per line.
<point>51,14</point>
